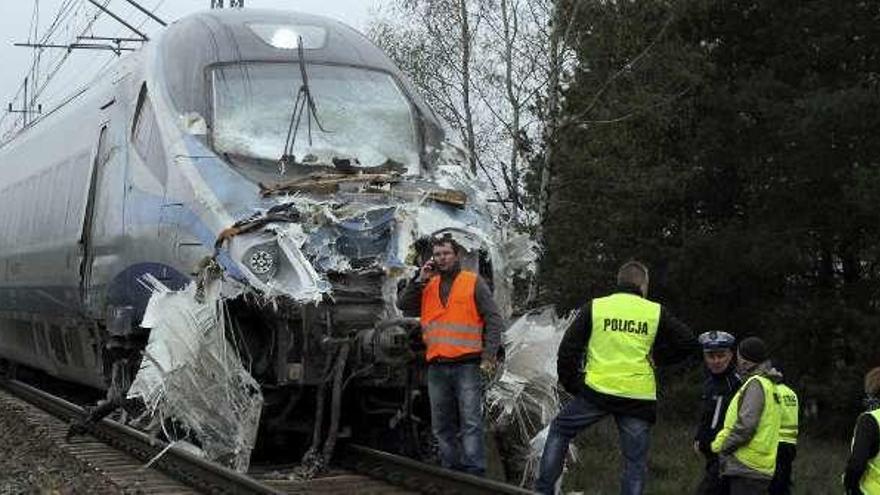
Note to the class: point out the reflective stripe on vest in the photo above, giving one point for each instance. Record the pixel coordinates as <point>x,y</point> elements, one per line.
<point>870,482</point>
<point>760,453</point>
<point>623,332</point>
<point>788,426</point>
<point>456,329</point>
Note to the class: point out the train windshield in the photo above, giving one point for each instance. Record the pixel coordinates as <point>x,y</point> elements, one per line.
<point>363,115</point>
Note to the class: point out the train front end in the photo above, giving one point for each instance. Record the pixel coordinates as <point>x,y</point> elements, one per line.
<point>311,179</point>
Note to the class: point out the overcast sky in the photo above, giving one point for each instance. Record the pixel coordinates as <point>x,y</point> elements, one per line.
<point>16,15</point>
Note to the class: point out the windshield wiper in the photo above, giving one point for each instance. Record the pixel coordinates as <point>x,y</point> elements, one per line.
<point>304,103</point>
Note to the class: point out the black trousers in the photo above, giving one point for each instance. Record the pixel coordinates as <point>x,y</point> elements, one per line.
<point>711,483</point>
<point>746,486</point>
<point>785,454</point>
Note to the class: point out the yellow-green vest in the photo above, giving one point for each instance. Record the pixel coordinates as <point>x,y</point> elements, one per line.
<point>617,355</point>
<point>870,482</point>
<point>788,427</point>
<point>760,452</point>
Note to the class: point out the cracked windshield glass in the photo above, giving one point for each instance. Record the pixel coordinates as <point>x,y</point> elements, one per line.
<point>363,113</point>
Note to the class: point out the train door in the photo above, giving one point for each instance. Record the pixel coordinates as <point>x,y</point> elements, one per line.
<point>91,222</point>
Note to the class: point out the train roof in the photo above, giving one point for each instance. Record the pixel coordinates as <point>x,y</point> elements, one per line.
<point>196,42</point>
<point>230,35</point>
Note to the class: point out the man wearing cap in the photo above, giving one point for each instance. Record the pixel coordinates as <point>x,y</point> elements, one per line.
<point>722,382</point>
<point>461,328</point>
<point>748,440</point>
<point>606,362</point>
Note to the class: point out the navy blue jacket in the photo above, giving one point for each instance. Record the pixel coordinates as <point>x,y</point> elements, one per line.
<point>717,392</point>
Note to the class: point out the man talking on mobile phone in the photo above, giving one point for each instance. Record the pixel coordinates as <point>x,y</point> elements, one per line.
<point>461,328</point>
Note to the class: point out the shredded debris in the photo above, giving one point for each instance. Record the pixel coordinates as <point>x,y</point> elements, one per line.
<point>328,236</point>
<point>525,397</point>
<point>191,375</point>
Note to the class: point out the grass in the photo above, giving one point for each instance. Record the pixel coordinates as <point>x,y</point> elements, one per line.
<point>675,469</point>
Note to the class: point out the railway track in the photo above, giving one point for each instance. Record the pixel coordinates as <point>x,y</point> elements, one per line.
<point>120,452</point>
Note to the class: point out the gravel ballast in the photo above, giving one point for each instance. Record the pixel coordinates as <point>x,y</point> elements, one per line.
<point>32,463</point>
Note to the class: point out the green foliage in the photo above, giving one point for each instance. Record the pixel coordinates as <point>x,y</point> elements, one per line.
<point>733,146</point>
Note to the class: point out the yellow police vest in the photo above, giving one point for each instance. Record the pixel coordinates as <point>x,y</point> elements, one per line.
<point>870,482</point>
<point>788,427</point>
<point>623,332</point>
<point>760,452</point>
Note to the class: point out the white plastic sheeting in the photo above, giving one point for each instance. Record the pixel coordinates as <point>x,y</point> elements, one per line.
<point>191,374</point>
<point>525,397</point>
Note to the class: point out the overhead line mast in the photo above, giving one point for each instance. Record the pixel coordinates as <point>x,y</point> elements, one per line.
<point>116,47</point>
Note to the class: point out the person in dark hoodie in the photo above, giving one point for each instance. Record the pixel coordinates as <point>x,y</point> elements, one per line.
<point>862,476</point>
<point>722,382</point>
<point>605,363</point>
<point>748,440</point>
<point>461,328</point>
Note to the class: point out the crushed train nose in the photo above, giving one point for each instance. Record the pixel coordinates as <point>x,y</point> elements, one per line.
<point>271,260</point>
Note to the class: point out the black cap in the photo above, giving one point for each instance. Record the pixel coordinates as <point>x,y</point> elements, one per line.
<point>753,349</point>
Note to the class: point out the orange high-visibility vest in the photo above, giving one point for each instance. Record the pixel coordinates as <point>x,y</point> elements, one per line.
<point>454,330</point>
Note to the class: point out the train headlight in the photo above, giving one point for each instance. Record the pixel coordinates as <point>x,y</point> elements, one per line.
<point>285,38</point>
<point>288,36</point>
<point>262,260</point>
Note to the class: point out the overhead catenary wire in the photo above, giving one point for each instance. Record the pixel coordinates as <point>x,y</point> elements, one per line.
<point>71,20</point>
<point>63,12</point>
<point>67,8</point>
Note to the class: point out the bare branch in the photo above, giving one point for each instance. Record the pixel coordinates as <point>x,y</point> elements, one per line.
<point>628,67</point>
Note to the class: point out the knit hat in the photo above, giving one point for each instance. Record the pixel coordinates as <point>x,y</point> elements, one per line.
<point>753,349</point>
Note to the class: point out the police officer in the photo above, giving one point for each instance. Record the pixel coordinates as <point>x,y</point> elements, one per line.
<point>788,435</point>
<point>605,362</point>
<point>722,382</point>
<point>862,476</point>
<point>748,439</point>
<point>461,327</point>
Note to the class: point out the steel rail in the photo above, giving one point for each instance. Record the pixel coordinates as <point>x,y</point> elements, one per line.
<point>213,478</point>
<point>419,476</point>
<point>176,462</point>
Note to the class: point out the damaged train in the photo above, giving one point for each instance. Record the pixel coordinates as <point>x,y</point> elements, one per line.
<point>280,155</point>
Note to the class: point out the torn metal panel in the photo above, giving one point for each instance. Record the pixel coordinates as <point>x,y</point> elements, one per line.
<point>192,374</point>
<point>272,262</point>
<point>525,397</point>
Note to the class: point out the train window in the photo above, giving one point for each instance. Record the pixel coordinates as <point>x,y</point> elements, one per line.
<point>146,137</point>
<point>365,114</point>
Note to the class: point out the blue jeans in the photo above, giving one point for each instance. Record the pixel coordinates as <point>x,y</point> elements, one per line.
<point>456,393</point>
<point>577,415</point>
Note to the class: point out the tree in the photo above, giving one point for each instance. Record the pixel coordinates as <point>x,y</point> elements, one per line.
<point>481,65</point>
<point>731,145</point>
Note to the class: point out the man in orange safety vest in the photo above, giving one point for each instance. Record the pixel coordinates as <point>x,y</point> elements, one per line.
<point>461,328</point>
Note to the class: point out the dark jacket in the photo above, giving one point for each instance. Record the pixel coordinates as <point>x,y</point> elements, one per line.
<point>717,392</point>
<point>866,445</point>
<point>410,302</point>
<point>674,342</point>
